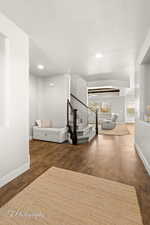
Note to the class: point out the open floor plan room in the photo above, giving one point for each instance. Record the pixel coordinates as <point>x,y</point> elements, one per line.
<point>75,112</point>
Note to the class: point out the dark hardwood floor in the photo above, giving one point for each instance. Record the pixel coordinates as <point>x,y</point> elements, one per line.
<point>110,157</point>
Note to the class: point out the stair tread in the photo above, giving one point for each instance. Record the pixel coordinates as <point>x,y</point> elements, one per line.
<point>83,137</point>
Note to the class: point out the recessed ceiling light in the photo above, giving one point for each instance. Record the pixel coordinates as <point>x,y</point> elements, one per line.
<point>51,84</point>
<point>40,67</point>
<point>99,56</point>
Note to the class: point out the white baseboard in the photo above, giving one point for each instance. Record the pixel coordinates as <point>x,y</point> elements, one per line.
<point>15,173</point>
<point>142,157</point>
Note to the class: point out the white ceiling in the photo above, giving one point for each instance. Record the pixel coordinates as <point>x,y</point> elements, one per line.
<point>67,34</point>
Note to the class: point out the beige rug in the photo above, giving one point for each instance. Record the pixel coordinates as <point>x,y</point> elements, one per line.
<point>63,197</point>
<point>119,130</point>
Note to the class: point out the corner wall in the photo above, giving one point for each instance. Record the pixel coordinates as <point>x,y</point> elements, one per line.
<point>52,99</point>
<point>14,133</point>
<point>142,87</point>
<point>33,104</point>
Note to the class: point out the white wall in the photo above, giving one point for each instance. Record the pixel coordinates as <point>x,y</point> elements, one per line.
<point>3,78</point>
<point>147,85</point>
<point>142,129</point>
<point>48,99</point>
<point>79,89</point>
<point>52,100</point>
<point>142,140</point>
<point>142,86</point>
<point>14,133</point>
<point>33,104</point>
<point>142,89</point>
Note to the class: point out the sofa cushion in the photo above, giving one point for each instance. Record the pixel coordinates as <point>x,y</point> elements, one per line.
<point>44,123</point>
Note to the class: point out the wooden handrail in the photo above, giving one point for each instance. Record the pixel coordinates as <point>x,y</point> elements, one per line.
<point>70,104</point>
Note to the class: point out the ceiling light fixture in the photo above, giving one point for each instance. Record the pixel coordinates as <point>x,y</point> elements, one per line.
<point>99,56</point>
<point>51,84</point>
<point>40,67</point>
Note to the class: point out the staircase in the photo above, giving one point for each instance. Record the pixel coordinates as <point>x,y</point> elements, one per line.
<point>84,135</point>
<point>79,133</point>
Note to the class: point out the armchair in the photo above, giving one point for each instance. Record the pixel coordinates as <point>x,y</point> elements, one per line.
<point>109,124</point>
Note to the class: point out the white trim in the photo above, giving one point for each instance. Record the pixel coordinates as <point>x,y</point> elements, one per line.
<point>30,138</point>
<point>142,157</point>
<point>15,173</point>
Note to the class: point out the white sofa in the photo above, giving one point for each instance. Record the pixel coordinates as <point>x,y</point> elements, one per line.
<point>58,135</point>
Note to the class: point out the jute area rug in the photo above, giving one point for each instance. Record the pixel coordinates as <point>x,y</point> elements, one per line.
<point>119,130</point>
<point>63,197</point>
